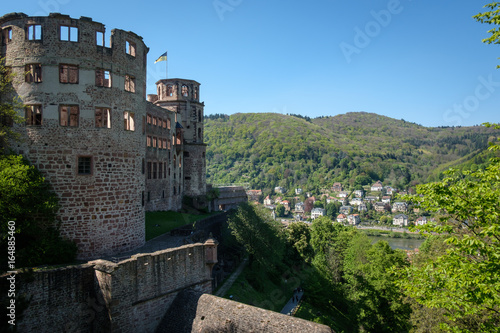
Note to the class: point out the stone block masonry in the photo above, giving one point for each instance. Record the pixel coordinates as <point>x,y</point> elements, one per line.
<point>101,296</point>
<point>109,154</point>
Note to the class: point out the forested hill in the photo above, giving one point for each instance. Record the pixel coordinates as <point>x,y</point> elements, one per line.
<point>270,149</point>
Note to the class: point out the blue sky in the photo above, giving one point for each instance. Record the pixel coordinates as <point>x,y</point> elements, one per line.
<point>422,61</point>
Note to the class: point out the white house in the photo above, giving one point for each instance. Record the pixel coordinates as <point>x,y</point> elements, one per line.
<point>341,218</point>
<point>299,207</point>
<point>298,191</point>
<point>354,219</point>
<point>268,201</point>
<point>400,220</point>
<point>317,212</point>
<point>377,186</point>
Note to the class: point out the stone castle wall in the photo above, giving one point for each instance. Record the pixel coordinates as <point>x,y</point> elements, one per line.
<point>131,151</point>
<point>101,207</point>
<point>130,296</point>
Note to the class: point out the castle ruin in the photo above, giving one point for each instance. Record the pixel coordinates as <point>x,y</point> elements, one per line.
<point>110,152</point>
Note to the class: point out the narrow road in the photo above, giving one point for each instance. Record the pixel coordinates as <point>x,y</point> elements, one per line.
<point>293,303</point>
<point>229,282</point>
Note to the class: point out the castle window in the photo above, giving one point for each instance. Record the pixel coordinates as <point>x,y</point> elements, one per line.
<point>160,122</point>
<point>164,141</point>
<point>184,90</point>
<point>170,90</point>
<point>155,170</point>
<point>130,48</point>
<point>175,191</point>
<point>148,117</point>
<point>129,83</point>
<point>33,115</point>
<point>142,198</point>
<point>68,115</point>
<point>33,73</point>
<point>168,123</point>
<point>68,73</point>
<point>169,171</point>
<point>165,169</point>
<point>100,38</point>
<point>164,123</point>
<point>129,121</point>
<point>199,116</point>
<point>103,117</point>
<point>84,165</point>
<point>199,133</point>
<point>7,34</point>
<point>160,170</point>
<point>154,142</point>
<point>143,167</point>
<point>68,34</point>
<point>195,93</point>
<point>149,170</point>
<point>103,78</point>
<point>168,144</point>
<point>186,154</point>
<point>154,121</point>
<point>34,32</point>
<point>149,196</point>
<point>148,141</point>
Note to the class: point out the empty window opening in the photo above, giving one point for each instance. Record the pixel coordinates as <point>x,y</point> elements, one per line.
<point>154,142</point>
<point>68,73</point>
<point>142,198</point>
<point>168,123</point>
<point>143,167</point>
<point>195,93</point>
<point>155,120</point>
<point>148,117</point>
<point>186,154</point>
<point>34,115</point>
<point>101,40</point>
<point>7,34</point>
<point>185,91</point>
<point>149,196</point>
<point>103,78</point>
<point>33,73</point>
<point>175,192</point>
<point>148,141</point>
<point>155,170</point>
<point>199,133</point>
<point>164,123</point>
<point>170,90</point>
<point>68,115</point>
<point>129,121</point>
<point>165,169</point>
<point>84,165</point>
<point>160,170</point>
<point>149,170</point>
<point>164,141</point>
<point>34,32</point>
<point>130,48</point>
<point>68,34</point>
<point>103,117</point>
<point>187,178</point>
<point>129,83</point>
<point>163,194</point>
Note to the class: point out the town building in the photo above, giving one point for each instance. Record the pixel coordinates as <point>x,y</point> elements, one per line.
<point>317,212</point>
<point>400,220</point>
<point>354,219</point>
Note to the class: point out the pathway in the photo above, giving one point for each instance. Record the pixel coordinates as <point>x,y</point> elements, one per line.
<point>229,282</point>
<point>293,303</point>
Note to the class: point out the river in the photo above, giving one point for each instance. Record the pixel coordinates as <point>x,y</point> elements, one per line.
<point>400,243</point>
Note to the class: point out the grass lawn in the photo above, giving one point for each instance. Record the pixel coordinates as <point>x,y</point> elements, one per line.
<point>158,223</point>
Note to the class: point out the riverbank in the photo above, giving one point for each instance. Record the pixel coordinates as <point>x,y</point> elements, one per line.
<point>390,232</point>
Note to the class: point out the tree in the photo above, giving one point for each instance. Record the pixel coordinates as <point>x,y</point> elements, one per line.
<point>280,210</point>
<point>27,201</point>
<point>9,105</point>
<point>491,17</point>
<point>463,281</point>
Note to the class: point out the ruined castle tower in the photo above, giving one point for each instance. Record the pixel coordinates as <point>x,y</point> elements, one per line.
<point>109,154</point>
<point>183,97</point>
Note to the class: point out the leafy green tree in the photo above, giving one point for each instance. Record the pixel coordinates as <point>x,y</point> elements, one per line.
<point>464,281</point>
<point>261,237</point>
<point>280,210</point>
<point>299,237</point>
<point>9,105</point>
<point>492,17</point>
<point>26,199</point>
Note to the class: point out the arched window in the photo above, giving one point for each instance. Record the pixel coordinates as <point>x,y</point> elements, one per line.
<point>184,90</point>
<point>170,90</point>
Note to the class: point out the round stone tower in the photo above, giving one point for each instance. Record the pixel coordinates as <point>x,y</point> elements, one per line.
<point>183,97</point>
<point>85,102</point>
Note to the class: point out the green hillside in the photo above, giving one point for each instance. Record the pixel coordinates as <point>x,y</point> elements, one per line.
<point>268,150</point>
